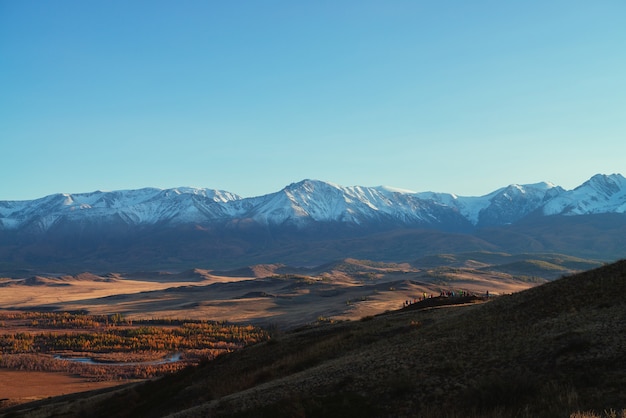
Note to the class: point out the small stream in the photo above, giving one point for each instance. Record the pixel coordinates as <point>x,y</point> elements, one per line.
<point>88,360</point>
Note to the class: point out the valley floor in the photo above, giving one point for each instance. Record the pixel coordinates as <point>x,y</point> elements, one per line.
<point>18,386</point>
<point>263,295</point>
<point>276,296</point>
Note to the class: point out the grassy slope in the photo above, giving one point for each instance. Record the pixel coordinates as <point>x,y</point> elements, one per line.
<point>547,351</point>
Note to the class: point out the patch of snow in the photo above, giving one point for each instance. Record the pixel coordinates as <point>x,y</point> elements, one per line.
<point>394,189</point>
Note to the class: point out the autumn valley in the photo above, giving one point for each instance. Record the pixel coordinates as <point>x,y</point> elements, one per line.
<point>92,331</point>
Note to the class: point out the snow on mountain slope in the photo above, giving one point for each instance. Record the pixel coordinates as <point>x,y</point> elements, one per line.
<point>512,203</point>
<point>312,201</point>
<point>318,201</point>
<point>469,207</point>
<point>502,206</point>
<point>308,200</point>
<point>600,194</point>
<point>147,205</point>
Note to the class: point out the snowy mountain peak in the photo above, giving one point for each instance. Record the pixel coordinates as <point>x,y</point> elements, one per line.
<point>605,184</point>
<point>600,194</point>
<point>213,194</point>
<point>394,190</point>
<point>515,189</point>
<point>310,201</point>
<point>302,202</point>
<point>148,205</point>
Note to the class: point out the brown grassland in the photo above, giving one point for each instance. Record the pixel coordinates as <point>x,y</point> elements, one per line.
<point>555,350</point>
<point>270,294</point>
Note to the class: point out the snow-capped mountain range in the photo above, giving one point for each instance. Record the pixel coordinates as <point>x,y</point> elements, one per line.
<point>310,202</point>
<point>306,223</point>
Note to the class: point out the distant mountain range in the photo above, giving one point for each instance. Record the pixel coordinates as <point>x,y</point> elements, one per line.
<point>307,222</point>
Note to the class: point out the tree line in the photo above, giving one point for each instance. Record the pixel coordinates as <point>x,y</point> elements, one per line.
<point>29,339</point>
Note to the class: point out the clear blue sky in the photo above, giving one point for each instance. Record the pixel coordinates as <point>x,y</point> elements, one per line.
<point>249,96</point>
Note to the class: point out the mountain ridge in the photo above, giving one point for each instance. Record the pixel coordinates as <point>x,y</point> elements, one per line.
<point>306,223</point>
<point>308,201</point>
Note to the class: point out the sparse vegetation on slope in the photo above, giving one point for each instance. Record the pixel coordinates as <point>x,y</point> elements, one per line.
<point>551,351</point>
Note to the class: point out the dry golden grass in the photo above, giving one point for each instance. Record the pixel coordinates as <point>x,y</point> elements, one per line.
<point>24,386</point>
<point>413,360</point>
<point>266,295</point>
<point>556,350</point>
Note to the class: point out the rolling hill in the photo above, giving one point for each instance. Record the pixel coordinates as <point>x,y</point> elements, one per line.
<point>549,351</point>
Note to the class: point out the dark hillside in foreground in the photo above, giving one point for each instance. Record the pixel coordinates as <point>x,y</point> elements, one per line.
<point>546,352</point>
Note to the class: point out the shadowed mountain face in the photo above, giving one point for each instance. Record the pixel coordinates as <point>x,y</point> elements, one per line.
<point>72,250</point>
<point>306,223</point>
<point>548,351</point>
